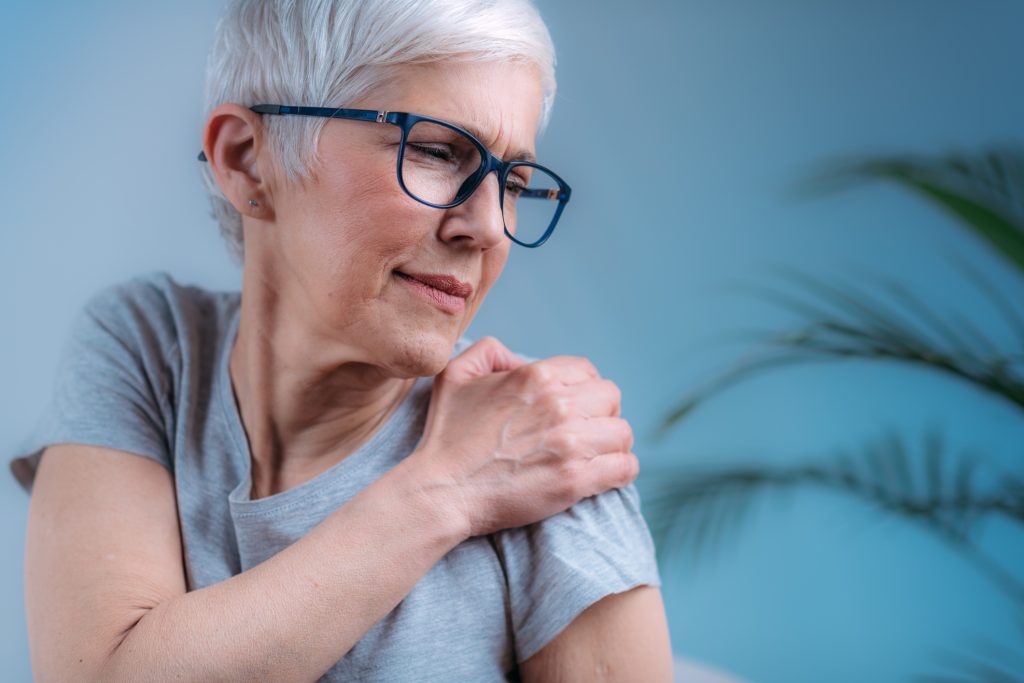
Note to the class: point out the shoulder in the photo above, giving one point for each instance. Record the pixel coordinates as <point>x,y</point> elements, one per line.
<point>119,373</point>
<point>136,299</point>
<point>154,297</point>
<point>144,332</point>
<point>154,310</point>
<point>561,565</point>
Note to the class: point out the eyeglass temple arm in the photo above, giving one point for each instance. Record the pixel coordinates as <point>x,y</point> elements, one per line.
<point>323,112</point>
<point>531,193</point>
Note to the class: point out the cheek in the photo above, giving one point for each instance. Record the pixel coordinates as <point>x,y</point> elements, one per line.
<point>356,224</point>
<point>353,264</point>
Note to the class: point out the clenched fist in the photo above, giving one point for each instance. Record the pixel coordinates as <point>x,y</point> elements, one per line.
<point>511,443</point>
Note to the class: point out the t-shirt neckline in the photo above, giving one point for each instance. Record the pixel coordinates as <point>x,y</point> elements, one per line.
<point>239,498</point>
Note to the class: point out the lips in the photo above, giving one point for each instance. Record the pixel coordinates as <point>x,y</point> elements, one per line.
<point>449,284</point>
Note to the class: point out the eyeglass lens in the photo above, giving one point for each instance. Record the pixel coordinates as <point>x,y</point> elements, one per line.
<point>437,161</point>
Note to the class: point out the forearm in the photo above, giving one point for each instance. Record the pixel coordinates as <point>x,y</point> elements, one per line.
<point>296,614</point>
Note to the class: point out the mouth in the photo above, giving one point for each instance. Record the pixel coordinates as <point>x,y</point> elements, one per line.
<point>445,291</point>
<point>449,284</point>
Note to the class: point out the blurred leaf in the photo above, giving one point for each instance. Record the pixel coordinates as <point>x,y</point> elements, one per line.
<point>692,511</point>
<point>984,191</point>
<point>746,366</point>
<point>697,511</point>
<point>851,323</point>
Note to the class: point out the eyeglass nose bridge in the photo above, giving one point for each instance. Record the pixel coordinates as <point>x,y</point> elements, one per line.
<point>470,185</point>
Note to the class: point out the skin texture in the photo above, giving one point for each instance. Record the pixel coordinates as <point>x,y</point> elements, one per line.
<point>307,291</point>
<point>623,637</point>
<point>330,339</point>
<point>329,342</point>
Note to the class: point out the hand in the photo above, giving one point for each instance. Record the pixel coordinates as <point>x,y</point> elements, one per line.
<point>508,443</point>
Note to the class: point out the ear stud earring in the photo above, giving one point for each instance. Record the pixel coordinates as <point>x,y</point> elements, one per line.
<point>253,203</point>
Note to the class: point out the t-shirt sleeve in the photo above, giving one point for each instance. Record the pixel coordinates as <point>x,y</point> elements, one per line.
<point>559,566</point>
<point>112,387</point>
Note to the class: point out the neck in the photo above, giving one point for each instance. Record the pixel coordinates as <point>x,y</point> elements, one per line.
<point>302,411</point>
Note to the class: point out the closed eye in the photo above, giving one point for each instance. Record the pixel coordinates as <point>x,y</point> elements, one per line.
<point>514,184</point>
<point>437,151</point>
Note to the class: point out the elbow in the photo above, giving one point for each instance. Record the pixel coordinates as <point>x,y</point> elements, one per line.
<point>94,658</point>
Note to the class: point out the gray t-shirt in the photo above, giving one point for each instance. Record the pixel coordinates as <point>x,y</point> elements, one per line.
<point>145,370</point>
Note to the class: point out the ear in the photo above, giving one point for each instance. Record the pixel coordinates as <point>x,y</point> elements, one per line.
<point>234,142</point>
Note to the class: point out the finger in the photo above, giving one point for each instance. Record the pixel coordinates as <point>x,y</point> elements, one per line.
<point>596,398</point>
<point>571,369</point>
<point>601,435</point>
<point>485,356</point>
<point>611,471</point>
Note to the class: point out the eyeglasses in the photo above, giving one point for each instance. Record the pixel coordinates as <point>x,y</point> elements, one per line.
<point>441,165</point>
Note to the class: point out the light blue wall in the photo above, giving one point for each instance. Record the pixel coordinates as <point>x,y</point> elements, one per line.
<point>681,126</point>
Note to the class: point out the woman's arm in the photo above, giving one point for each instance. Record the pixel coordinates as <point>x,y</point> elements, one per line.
<point>621,638</point>
<point>503,447</point>
<point>105,587</point>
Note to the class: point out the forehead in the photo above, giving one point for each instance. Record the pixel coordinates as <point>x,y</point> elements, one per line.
<point>498,102</point>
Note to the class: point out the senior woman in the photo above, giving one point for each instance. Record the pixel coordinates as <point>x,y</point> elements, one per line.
<point>335,484</point>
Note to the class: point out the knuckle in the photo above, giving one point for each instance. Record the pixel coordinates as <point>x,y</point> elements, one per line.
<point>491,345</point>
<point>540,373</point>
<point>588,366</point>
<point>565,442</point>
<point>557,406</point>
<point>546,403</point>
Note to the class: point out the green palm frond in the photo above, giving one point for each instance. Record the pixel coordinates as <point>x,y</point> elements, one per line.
<point>984,191</point>
<point>691,511</point>
<point>747,365</point>
<point>849,322</point>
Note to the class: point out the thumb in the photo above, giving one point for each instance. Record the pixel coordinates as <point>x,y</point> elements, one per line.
<point>485,356</point>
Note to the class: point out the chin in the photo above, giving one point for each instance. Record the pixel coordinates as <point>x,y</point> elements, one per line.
<point>422,355</point>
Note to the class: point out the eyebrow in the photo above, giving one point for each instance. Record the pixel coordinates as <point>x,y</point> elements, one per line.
<point>519,155</point>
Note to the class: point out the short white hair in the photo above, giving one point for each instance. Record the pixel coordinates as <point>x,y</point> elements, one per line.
<point>329,53</point>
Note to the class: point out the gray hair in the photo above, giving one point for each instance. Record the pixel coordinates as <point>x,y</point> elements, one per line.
<point>330,53</point>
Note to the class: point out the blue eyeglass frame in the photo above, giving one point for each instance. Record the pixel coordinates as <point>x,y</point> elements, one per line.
<point>490,163</point>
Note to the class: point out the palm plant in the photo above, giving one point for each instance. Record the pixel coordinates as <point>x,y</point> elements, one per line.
<point>944,492</point>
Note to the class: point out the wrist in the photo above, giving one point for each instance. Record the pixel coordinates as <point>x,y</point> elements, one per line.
<point>432,495</point>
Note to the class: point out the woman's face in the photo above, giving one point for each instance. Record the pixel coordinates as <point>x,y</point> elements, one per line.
<point>338,242</point>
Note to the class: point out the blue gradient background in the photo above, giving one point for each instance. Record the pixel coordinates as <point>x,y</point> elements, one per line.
<point>682,127</point>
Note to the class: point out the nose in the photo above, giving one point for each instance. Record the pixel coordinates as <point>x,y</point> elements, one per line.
<point>478,220</point>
